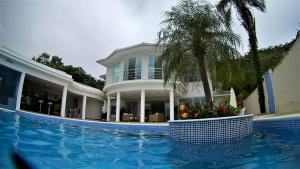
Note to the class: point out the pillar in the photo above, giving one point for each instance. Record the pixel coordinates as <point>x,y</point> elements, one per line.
<point>83,109</point>
<point>142,116</point>
<point>20,90</point>
<point>63,102</point>
<point>171,105</point>
<point>118,106</point>
<point>104,106</point>
<point>108,109</point>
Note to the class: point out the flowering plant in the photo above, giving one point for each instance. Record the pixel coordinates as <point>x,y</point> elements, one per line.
<point>209,111</point>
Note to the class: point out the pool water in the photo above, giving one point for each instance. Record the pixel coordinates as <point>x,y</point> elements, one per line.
<point>53,145</point>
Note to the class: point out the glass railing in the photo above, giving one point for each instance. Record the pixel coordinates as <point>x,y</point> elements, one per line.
<point>133,74</point>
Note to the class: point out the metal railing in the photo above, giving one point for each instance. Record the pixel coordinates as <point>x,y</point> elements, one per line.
<point>155,73</point>
<point>132,74</point>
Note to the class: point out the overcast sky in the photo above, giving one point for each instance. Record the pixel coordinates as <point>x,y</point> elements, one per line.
<point>82,32</point>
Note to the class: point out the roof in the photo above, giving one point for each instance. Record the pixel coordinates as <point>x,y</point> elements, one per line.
<point>106,60</point>
<point>13,56</point>
<point>28,62</point>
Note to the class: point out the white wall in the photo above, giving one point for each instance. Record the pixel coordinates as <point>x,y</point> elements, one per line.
<point>109,75</point>
<point>194,89</point>
<point>251,103</point>
<point>93,109</point>
<point>286,85</point>
<point>286,82</point>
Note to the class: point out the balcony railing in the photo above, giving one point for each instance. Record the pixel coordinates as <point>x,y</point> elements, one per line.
<point>133,74</point>
<point>155,73</point>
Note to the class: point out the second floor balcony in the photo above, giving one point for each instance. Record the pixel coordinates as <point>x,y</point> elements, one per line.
<point>134,74</point>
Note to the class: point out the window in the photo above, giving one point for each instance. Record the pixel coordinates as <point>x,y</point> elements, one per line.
<point>116,73</point>
<point>138,67</point>
<point>151,67</point>
<point>132,68</point>
<point>154,68</point>
<point>126,66</point>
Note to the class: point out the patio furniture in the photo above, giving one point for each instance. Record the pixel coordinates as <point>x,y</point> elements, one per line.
<point>157,117</point>
<point>74,113</point>
<point>127,117</point>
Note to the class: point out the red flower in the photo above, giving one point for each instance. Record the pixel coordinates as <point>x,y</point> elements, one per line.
<point>223,109</point>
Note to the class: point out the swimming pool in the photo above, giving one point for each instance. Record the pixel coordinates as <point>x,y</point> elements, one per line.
<point>53,145</point>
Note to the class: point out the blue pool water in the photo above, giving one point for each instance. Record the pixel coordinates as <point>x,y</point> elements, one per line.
<point>53,145</point>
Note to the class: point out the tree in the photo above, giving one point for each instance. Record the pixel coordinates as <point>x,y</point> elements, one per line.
<point>243,8</point>
<point>193,38</point>
<point>43,58</point>
<point>78,74</point>
<point>56,62</point>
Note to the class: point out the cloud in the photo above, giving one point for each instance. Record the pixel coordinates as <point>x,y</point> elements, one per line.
<point>82,32</point>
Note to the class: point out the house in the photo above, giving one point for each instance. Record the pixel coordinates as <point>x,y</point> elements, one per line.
<point>135,90</point>
<point>31,86</point>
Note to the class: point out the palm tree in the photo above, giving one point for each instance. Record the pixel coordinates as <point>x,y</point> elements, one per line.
<point>193,39</point>
<point>243,8</point>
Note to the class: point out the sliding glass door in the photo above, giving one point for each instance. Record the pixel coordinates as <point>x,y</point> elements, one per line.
<point>132,68</point>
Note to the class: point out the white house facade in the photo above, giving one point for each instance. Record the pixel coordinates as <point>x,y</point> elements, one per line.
<point>134,90</point>
<point>134,87</point>
<point>31,86</point>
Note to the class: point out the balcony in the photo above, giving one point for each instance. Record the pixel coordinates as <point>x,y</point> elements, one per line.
<point>133,74</point>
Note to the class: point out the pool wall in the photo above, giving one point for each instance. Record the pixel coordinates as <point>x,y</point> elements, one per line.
<point>291,123</point>
<point>211,130</point>
<point>94,124</point>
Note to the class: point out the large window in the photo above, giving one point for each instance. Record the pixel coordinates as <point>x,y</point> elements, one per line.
<point>154,68</point>
<point>9,81</point>
<point>132,68</point>
<point>138,67</point>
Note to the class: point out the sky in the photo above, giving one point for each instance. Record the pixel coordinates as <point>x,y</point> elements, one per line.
<point>84,31</point>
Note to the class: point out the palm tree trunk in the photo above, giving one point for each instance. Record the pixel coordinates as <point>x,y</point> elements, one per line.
<point>259,80</point>
<point>204,79</point>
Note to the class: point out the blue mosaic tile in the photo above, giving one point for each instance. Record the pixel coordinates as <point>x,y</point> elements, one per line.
<point>211,131</point>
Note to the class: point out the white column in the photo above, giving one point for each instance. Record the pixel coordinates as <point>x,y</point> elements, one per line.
<point>118,107</point>
<point>108,109</point>
<point>20,89</point>
<point>104,106</point>
<point>83,109</point>
<point>171,105</point>
<point>63,102</point>
<point>142,117</point>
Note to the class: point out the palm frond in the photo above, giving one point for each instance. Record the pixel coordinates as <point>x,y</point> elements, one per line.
<point>258,4</point>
